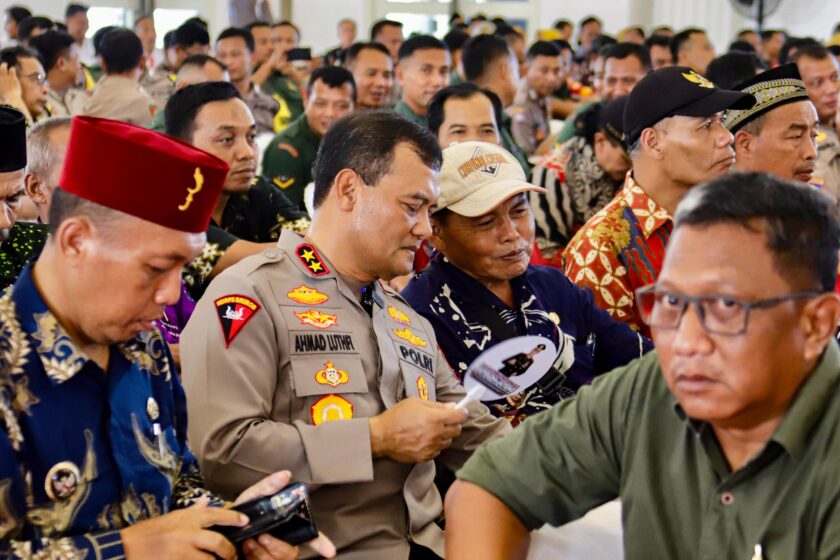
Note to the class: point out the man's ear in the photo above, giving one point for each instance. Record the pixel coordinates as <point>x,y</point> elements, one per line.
<point>346,188</point>
<point>398,74</point>
<point>652,143</point>
<point>76,238</point>
<point>743,142</point>
<point>436,239</point>
<point>819,320</point>
<point>34,189</point>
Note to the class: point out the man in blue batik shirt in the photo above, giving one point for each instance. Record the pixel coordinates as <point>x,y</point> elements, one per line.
<point>480,288</point>
<point>93,453</point>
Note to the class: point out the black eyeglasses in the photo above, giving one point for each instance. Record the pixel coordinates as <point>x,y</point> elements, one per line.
<point>722,315</point>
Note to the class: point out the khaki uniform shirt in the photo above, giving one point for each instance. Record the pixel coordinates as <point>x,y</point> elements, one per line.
<point>69,104</point>
<point>529,118</point>
<point>626,436</point>
<point>827,165</point>
<point>283,367</point>
<point>159,84</point>
<point>121,99</point>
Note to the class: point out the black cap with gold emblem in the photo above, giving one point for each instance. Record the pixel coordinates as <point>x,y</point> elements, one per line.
<point>676,91</point>
<point>12,140</point>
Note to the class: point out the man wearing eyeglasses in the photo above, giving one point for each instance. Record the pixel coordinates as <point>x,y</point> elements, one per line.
<point>31,78</point>
<point>721,444</point>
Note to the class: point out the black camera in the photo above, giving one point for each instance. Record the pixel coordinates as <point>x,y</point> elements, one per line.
<point>285,516</point>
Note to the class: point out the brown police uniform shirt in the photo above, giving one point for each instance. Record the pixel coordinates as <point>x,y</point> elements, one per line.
<point>265,109</point>
<point>121,99</point>
<point>827,165</point>
<point>159,85</point>
<point>282,368</point>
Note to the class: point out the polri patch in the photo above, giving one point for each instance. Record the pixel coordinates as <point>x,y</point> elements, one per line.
<point>423,388</point>
<point>234,313</point>
<point>311,259</point>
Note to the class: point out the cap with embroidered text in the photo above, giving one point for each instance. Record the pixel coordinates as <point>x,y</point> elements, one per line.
<point>476,177</point>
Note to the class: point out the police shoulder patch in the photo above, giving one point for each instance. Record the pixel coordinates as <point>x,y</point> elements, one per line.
<point>234,312</point>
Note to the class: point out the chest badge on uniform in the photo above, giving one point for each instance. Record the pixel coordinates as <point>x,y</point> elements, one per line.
<point>331,375</point>
<point>234,313</point>
<point>62,481</point>
<point>410,337</point>
<point>307,296</point>
<point>398,315</point>
<point>331,408</point>
<point>311,260</point>
<point>423,388</point>
<point>152,409</point>
<point>315,318</point>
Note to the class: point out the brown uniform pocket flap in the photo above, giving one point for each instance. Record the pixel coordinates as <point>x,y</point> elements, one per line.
<point>321,375</point>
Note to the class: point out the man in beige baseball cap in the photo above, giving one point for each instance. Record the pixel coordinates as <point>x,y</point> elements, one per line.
<point>481,289</point>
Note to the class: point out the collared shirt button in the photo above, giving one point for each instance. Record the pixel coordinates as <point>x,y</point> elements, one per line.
<point>271,254</point>
<point>727,498</point>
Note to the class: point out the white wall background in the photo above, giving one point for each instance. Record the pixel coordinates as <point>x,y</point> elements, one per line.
<point>318,18</point>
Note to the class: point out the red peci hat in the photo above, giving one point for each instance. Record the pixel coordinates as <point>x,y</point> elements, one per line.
<point>142,173</point>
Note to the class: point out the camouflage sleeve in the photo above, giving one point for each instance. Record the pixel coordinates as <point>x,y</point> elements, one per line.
<point>196,274</point>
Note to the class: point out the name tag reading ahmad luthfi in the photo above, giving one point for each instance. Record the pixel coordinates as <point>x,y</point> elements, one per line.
<point>507,368</point>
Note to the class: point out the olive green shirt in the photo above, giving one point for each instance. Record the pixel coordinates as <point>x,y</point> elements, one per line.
<point>24,243</point>
<point>288,95</point>
<point>626,436</point>
<point>404,110</point>
<point>289,157</point>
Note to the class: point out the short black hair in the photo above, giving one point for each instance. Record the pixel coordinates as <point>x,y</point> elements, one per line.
<point>365,142</point>
<point>332,77</point>
<point>799,222</point>
<point>741,46</point>
<point>562,45</point>
<point>30,24</point>
<point>169,39</point>
<point>258,23</point>
<point>73,9</point>
<point>287,23</point>
<point>590,19</point>
<point>199,21</point>
<point>660,28</point>
<point>121,51</point>
<point>183,106</point>
<point>745,31</point>
<point>243,34</point>
<point>99,35</point>
<point>681,38</point>
<point>814,51</point>
<point>659,41</point>
<point>189,34</point>
<point>507,32</point>
<point>480,52</point>
<point>464,90</point>
<point>10,56</point>
<point>352,53</point>
<point>455,39</point>
<point>562,24</point>
<point>499,21</point>
<point>18,13</point>
<point>418,43</point>
<point>202,60</point>
<point>601,44</point>
<point>377,27</point>
<point>50,46</point>
<point>733,68</point>
<point>767,34</point>
<point>626,50</point>
<point>454,16</point>
<point>834,49</point>
<point>542,48</point>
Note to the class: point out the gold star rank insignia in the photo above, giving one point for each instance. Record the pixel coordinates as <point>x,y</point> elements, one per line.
<point>311,260</point>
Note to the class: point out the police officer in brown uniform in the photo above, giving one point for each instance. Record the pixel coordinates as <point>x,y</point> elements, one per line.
<point>299,358</point>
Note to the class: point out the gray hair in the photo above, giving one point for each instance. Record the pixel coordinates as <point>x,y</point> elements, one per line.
<point>42,153</point>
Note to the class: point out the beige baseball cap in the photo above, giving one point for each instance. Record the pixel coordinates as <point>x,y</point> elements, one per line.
<point>476,177</point>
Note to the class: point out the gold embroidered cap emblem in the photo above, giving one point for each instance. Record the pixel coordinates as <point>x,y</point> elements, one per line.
<point>199,183</point>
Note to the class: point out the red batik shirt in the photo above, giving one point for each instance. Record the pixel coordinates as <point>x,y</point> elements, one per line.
<point>619,250</point>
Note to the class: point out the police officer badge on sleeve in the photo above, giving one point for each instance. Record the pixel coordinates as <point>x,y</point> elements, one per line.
<point>234,313</point>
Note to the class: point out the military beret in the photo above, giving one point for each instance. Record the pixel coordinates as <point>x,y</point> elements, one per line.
<point>142,173</point>
<point>12,140</point>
